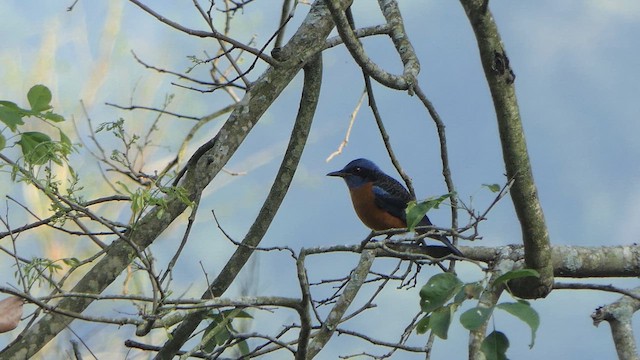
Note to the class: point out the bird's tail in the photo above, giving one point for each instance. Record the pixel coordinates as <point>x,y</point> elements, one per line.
<point>443,239</point>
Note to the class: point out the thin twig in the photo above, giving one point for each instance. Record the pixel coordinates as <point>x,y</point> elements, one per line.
<point>598,287</point>
<point>199,33</point>
<point>162,111</point>
<point>352,120</point>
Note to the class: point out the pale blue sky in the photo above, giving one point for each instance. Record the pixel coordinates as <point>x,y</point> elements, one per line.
<point>577,85</point>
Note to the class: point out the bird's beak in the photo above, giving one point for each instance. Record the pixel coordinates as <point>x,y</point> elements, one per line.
<point>338,173</point>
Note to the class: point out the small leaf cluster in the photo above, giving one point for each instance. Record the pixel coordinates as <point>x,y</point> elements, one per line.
<point>143,198</point>
<point>37,148</point>
<point>444,293</point>
<point>129,141</point>
<point>39,270</point>
<point>417,210</point>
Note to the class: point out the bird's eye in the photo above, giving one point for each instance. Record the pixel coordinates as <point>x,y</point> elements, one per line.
<point>358,169</point>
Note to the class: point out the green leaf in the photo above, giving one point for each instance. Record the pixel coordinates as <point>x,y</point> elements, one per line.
<point>236,313</point>
<point>468,291</point>
<point>494,346</point>
<point>11,115</point>
<point>523,311</point>
<point>64,138</point>
<point>138,202</point>
<point>54,267</point>
<point>217,333</point>
<point>37,147</point>
<point>438,290</point>
<point>223,335</point>
<point>492,187</point>
<point>515,274</point>
<point>3,142</point>
<point>474,318</point>
<point>39,97</point>
<point>9,104</point>
<point>73,262</point>
<point>220,329</point>
<point>243,347</point>
<point>49,115</point>
<point>440,321</point>
<point>416,211</point>
<point>65,147</point>
<point>423,325</point>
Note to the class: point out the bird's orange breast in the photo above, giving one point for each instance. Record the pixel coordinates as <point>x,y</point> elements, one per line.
<point>371,215</point>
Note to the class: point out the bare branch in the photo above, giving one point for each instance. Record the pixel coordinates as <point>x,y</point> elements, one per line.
<point>352,120</point>
<point>619,315</point>
<point>162,111</point>
<point>444,156</point>
<point>200,33</point>
<point>404,82</point>
<point>598,287</point>
<point>357,278</point>
<point>363,32</point>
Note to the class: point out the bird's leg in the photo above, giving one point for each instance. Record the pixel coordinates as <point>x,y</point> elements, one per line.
<point>366,240</point>
<point>369,237</point>
<point>441,266</point>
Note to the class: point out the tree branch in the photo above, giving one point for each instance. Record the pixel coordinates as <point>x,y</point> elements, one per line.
<point>200,33</point>
<point>403,82</point>
<point>488,299</point>
<point>619,315</point>
<point>305,306</point>
<point>598,287</point>
<point>568,261</point>
<point>444,156</point>
<point>300,132</point>
<point>357,278</point>
<point>524,194</point>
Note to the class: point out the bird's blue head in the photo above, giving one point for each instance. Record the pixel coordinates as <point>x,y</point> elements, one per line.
<point>358,172</point>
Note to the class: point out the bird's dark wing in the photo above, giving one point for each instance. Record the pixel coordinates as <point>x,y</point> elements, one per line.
<point>391,196</point>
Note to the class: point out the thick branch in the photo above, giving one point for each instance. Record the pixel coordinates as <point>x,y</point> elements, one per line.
<point>305,307</point>
<point>357,278</point>
<point>568,261</point>
<point>488,299</point>
<point>411,64</point>
<point>619,315</point>
<point>500,78</point>
<point>363,32</point>
<point>400,39</point>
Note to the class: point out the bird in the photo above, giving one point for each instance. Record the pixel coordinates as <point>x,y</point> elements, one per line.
<point>380,200</point>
